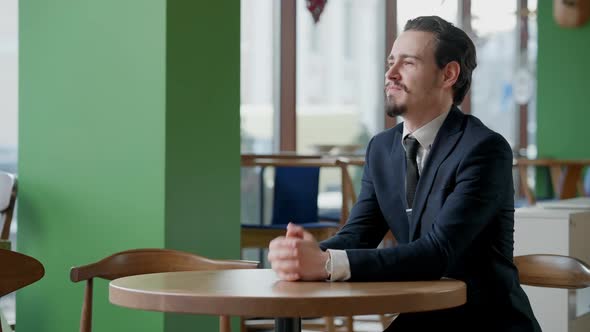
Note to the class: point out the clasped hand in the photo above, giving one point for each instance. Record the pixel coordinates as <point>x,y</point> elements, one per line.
<point>297,256</point>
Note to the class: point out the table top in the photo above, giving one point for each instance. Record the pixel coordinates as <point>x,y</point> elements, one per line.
<point>259,292</point>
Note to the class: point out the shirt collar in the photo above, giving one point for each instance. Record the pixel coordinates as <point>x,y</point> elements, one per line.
<point>426,134</point>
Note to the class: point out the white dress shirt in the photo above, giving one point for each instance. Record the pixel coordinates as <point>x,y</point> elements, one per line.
<point>425,135</point>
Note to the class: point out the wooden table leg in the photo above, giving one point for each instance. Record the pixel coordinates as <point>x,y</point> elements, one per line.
<point>569,183</point>
<point>524,185</point>
<point>555,172</point>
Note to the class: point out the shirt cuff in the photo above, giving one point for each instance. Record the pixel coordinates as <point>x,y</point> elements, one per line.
<point>340,266</point>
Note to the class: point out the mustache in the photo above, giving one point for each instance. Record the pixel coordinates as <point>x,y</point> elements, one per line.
<point>396,84</point>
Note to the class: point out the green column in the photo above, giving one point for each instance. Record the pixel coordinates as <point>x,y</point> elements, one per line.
<point>128,138</point>
<point>563,102</point>
<point>202,134</point>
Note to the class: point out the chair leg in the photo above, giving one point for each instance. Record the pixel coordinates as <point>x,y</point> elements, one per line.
<point>224,324</point>
<point>243,327</point>
<point>330,327</point>
<point>349,323</point>
<point>86,320</point>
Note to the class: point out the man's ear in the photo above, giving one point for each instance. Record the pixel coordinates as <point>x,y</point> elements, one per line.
<point>451,73</point>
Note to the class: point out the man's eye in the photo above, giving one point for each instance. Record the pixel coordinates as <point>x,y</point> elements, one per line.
<point>408,63</point>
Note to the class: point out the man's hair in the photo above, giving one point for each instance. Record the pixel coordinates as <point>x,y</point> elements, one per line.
<point>452,44</point>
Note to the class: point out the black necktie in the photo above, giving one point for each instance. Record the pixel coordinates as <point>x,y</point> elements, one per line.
<point>412,176</point>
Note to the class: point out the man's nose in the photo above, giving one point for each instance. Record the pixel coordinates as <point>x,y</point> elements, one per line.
<point>392,74</point>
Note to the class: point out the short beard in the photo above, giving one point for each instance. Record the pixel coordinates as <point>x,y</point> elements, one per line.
<point>393,110</point>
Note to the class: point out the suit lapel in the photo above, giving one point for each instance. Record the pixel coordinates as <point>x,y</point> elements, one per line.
<point>445,142</point>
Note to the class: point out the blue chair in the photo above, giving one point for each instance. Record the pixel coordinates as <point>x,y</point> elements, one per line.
<point>295,195</point>
<point>296,188</point>
<point>295,199</point>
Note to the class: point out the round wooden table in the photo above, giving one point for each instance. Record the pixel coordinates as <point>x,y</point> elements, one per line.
<point>260,293</point>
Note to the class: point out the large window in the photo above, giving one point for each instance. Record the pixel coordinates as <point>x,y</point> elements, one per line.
<point>340,67</point>
<point>504,80</point>
<point>408,9</point>
<point>340,73</point>
<point>339,82</point>
<point>495,32</point>
<point>259,31</point>
<point>8,85</point>
<point>258,88</point>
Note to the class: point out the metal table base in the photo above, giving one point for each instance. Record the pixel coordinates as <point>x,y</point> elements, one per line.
<point>284,324</point>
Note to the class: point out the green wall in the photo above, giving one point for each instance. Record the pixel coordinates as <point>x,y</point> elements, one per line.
<point>128,137</point>
<point>203,134</point>
<point>563,104</point>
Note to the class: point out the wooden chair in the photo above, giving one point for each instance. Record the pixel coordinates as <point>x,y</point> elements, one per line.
<point>565,175</point>
<point>553,271</point>
<point>7,202</point>
<point>17,271</point>
<point>144,261</point>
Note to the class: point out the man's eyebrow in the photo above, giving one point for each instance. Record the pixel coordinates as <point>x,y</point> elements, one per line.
<point>390,58</point>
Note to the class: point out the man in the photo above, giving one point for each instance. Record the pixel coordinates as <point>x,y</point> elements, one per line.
<point>441,181</point>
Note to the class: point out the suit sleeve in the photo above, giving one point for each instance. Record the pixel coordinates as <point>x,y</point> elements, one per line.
<point>483,178</point>
<point>366,226</point>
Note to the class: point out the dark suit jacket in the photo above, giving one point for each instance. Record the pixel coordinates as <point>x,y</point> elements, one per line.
<point>461,226</point>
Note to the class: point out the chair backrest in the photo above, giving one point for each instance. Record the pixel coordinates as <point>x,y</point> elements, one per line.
<point>17,271</point>
<point>295,195</point>
<point>553,271</point>
<point>302,174</point>
<point>144,261</point>
<point>7,202</point>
